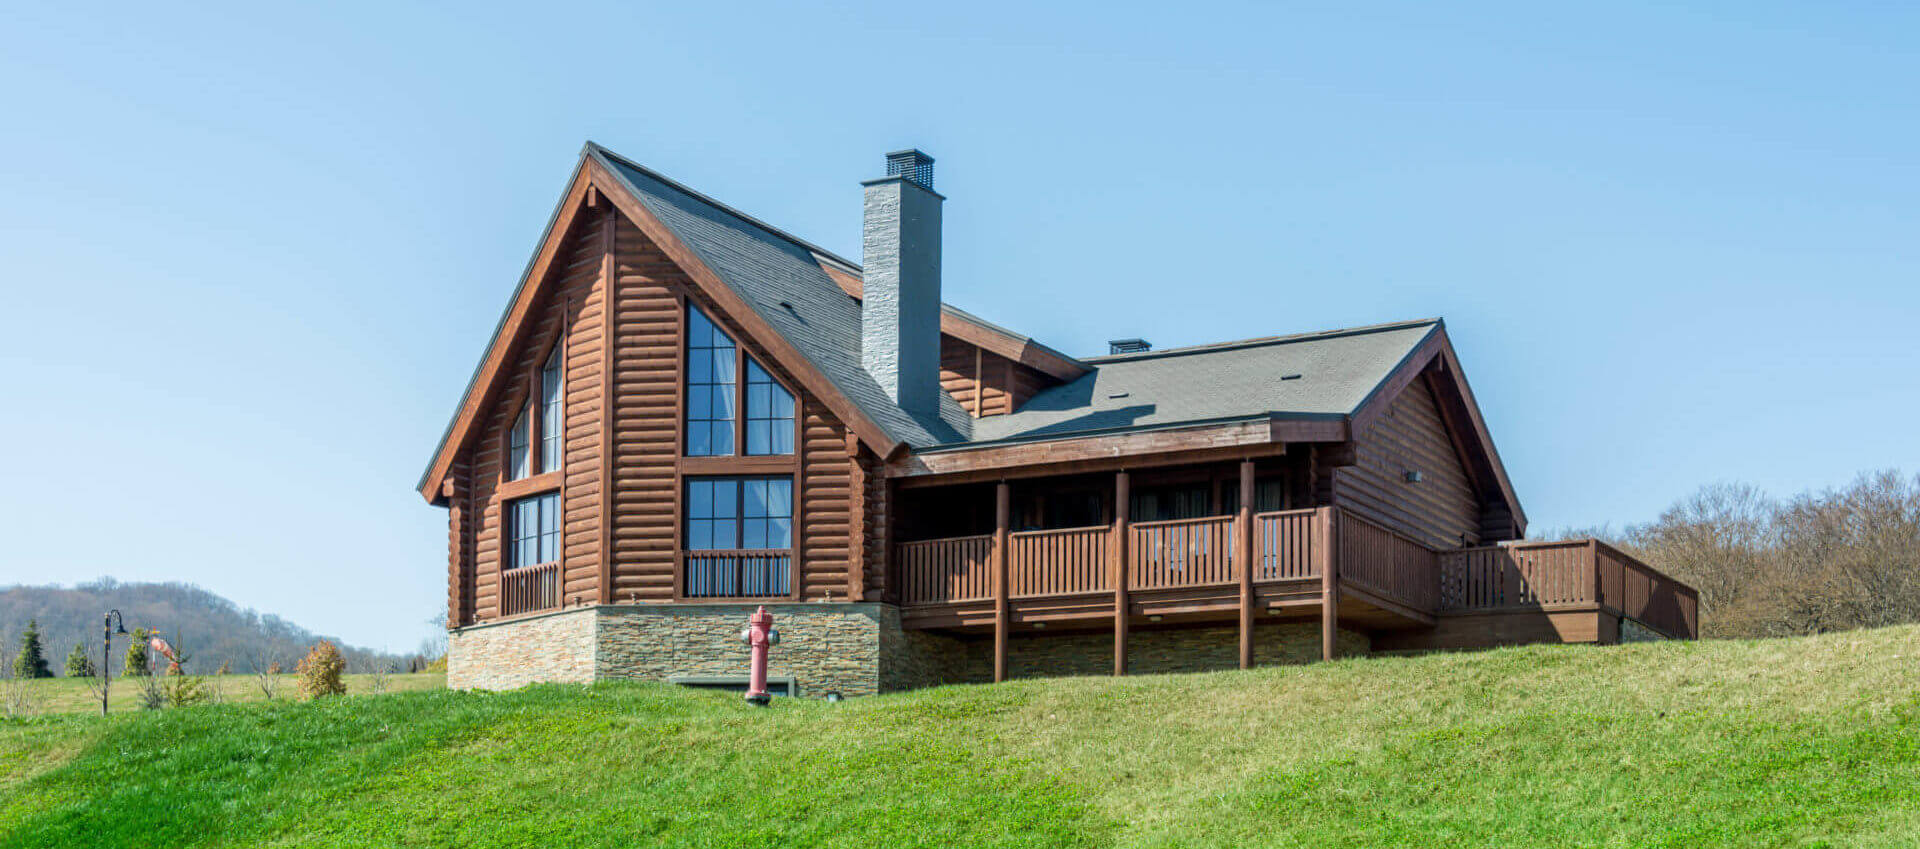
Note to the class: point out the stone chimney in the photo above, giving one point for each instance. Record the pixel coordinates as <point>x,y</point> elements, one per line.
<point>900,305</point>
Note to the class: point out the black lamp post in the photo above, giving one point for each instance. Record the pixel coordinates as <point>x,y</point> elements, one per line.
<point>106,658</point>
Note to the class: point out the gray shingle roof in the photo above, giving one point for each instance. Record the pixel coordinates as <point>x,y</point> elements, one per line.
<point>767,267</point>
<point>1336,372</point>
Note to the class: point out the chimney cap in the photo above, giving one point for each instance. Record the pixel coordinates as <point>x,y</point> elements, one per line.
<point>912,164</point>
<point>1128,346</point>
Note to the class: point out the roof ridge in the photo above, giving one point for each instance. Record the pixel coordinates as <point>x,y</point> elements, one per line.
<point>1210,347</point>
<point>723,207</point>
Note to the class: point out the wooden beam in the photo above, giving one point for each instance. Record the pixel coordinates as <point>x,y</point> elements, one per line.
<point>608,274</point>
<point>856,522</point>
<point>1002,518</point>
<point>1117,562</point>
<point>1230,440</point>
<point>1244,554</point>
<point>1326,525</point>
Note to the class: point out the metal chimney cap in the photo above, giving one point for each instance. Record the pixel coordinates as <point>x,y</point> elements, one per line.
<point>912,164</point>
<point>1128,346</point>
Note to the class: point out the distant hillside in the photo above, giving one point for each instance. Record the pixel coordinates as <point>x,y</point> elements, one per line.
<point>1805,741</point>
<point>210,629</point>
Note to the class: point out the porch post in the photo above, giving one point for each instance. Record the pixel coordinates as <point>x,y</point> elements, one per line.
<point>1002,517</point>
<point>1326,523</point>
<point>1117,564</point>
<point>1243,552</point>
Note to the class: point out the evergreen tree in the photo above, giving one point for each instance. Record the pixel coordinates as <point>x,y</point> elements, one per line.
<point>31,662</point>
<point>137,664</point>
<point>79,665</point>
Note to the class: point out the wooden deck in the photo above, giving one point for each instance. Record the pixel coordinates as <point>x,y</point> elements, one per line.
<point>1324,562</point>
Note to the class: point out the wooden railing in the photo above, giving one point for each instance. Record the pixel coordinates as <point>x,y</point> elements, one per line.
<point>738,574</point>
<point>1637,590</point>
<point>1062,562</point>
<point>1542,574</point>
<point>1181,553</point>
<point>1283,546</point>
<point>940,570</point>
<point>1385,563</point>
<point>1524,575</point>
<point>530,588</point>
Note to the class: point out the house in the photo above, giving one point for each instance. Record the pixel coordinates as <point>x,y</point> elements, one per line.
<point>686,413</point>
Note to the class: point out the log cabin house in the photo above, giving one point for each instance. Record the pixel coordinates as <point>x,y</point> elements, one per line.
<point>686,413</point>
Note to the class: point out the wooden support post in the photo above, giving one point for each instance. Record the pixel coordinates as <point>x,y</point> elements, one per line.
<point>1002,517</point>
<point>1243,552</point>
<point>856,522</point>
<point>1117,562</point>
<point>1326,528</point>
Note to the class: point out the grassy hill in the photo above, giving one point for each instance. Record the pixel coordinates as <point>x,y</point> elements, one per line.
<point>1797,742</point>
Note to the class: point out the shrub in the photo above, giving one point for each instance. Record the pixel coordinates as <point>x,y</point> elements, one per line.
<point>183,690</point>
<point>31,662</point>
<point>79,665</point>
<point>320,672</point>
<point>137,663</point>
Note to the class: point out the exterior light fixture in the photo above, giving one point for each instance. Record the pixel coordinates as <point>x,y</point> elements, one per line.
<point>1414,476</point>
<point>1153,619</point>
<point>108,629</point>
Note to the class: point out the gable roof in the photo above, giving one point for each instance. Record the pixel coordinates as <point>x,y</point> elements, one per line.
<point>1312,375</point>
<point>781,280</point>
<point>802,303</point>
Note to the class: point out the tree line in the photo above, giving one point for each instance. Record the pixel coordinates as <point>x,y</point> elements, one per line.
<point>1821,561</point>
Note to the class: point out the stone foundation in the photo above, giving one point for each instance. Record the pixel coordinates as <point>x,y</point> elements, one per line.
<point>554,647</point>
<point>1631,631</point>
<point>851,649</point>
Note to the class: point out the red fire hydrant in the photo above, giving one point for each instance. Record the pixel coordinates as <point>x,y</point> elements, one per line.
<point>759,636</point>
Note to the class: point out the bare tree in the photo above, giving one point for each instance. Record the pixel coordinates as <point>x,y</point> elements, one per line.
<point>265,670</point>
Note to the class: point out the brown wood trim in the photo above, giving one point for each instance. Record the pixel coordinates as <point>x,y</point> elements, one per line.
<point>1326,540</point>
<point>1117,562</point>
<point>856,522</point>
<point>609,305</point>
<point>1002,518</point>
<point>797,522</point>
<point>512,326</point>
<point>1244,543</point>
<point>538,484</point>
<point>756,465</point>
<point>1093,453</point>
<point>731,303</point>
<point>680,441</point>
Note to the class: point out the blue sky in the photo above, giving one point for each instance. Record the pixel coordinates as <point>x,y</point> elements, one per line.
<point>252,254</point>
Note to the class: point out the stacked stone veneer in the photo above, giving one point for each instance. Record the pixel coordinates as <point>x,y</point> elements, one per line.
<point>1631,631</point>
<point>851,649</point>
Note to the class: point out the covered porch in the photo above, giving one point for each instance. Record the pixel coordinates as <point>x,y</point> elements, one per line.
<point>1240,543</point>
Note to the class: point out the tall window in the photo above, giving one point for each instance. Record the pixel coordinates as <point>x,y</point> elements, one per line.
<point>739,535</point>
<point>710,388</point>
<point>734,406</point>
<point>552,384</point>
<point>533,530</point>
<point>519,459</point>
<point>739,513</point>
<point>769,413</point>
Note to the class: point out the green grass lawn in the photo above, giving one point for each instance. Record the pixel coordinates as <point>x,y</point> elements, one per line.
<point>1802,742</point>
<point>76,695</point>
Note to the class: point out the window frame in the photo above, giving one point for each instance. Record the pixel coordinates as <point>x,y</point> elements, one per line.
<point>528,405</point>
<point>740,386</point>
<point>510,527</point>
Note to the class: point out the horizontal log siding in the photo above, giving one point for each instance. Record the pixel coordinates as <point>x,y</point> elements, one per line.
<point>646,410</point>
<point>994,383</point>
<point>1442,507</point>
<point>824,530</point>
<point>582,413</point>
<point>571,303</point>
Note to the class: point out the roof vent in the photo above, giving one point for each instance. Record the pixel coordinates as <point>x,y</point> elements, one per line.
<point>1128,346</point>
<point>913,165</point>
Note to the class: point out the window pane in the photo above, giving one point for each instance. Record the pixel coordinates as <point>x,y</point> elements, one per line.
<point>780,440</point>
<point>769,413</point>
<point>726,495</point>
<point>517,456</point>
<point>754,534</point>
<point>710,388</point>
<point>780,497</point>
<point>779,533</point>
